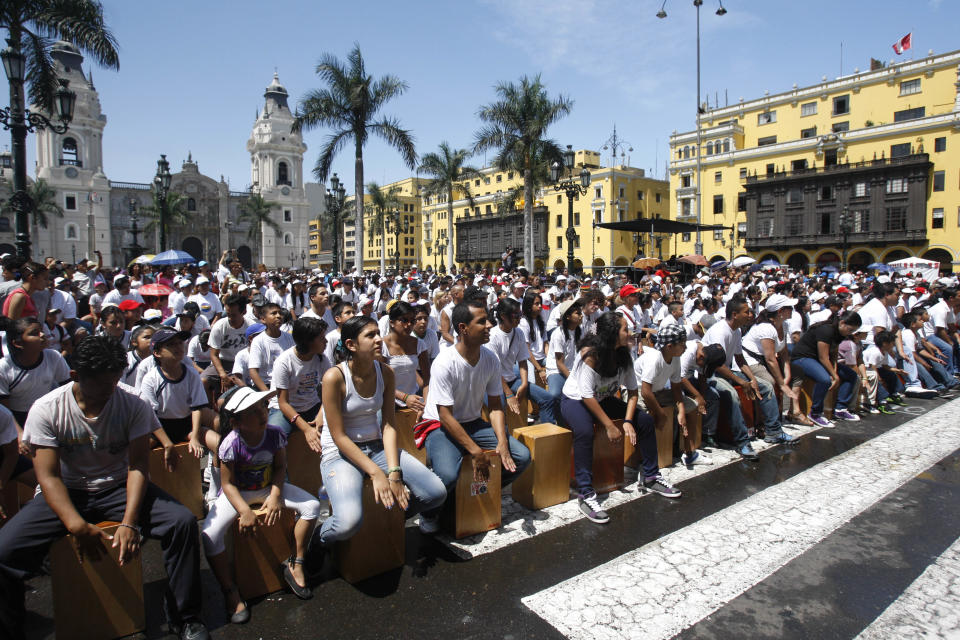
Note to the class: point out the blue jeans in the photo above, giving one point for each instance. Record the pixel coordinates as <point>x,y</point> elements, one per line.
<point>769,407</point>
<point>344,484</point>
<point>926,379</point>
<point>277,419</point>
<point>541,396</point>
<point>446,454</point>
<point>725,391</point>
<point>821,379</point>
<point>556,381</point>
<point>946,351</point>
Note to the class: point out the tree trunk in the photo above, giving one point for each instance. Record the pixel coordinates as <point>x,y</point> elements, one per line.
<point>383,246</point>
<point>450,226</point>
<point>528,259</point>
<point>358,204</point>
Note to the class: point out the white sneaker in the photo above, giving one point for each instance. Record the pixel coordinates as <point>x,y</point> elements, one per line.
<point>697,457</point>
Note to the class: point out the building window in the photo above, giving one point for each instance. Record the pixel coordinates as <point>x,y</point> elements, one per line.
<point>718,177</point>
<point>559,220</point>
<point>288,239</point>
<point>657,197</point>
<point>559,242</point>
<point>476,183</point>
<point>576,218</point>
<point>839,127</point>
<point>598,192</point>
<point>621,192</point>
<point>825,193</point>
<point>938,218</point>
<point>4,223</point>
<point>742,201</point>
<point>718,234</point>
<point>576,242</point>
<point>70,232</point>
<point>191,204</point>
<point>743,173</point>
<point>767,117</point>
<point>488,209</point>
<point>499,177</point>
<point>765,227</point>
<point>861,221</point>
<point>639,195</point>
<point>598,216</point>
<point>486,180</point>
<point>283,174</point>
<point>684,181</point>
<point>939,144</point>
<point>766,199</point>
<point>900,150</point>
<point>509,175</point>
<point>726,146</point>
<point>795,195</point>
<point>808,109</point>
<point>768,140</point>
<point>70,202</point>
<point>798,165</point>
<point>826,222</point>
<point>938,179</point>
<point>718,204</point>
<point>685,237</point>
<point>909,114</point>
<point>910,87</point>
<point>793,225</point>
<point>686,207</point>
<point>69,153</point>
<point>808,133</point>
<point>896,218</point>
<point>841,105</point>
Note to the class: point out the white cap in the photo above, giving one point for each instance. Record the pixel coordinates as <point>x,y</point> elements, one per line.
<point>242,287</point>
<point>184,282</point>
<point>118,276</point>
<point>778,301</point>
<point>817,295</point>
<point>561,277</point>
<point>245,398</point>
<point>203,280</point>
<point>152,314</point>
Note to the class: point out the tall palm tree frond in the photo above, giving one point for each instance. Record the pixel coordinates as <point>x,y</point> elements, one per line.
<point>256,212</point>
<point>448,174</point>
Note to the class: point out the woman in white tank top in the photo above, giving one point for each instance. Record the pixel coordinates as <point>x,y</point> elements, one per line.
<point>358,442</point>
<point>409,358</point>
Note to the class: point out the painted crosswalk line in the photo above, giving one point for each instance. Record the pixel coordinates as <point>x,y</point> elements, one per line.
<point>666,586</point>
<point>930,606</point>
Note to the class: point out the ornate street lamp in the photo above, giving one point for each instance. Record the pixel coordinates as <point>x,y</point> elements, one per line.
<point>135,248</point>
<point>698,247</point>
<point>439,247</point>
<point>161,183</point>
<point>334,201</point>
<point>303,260</point>
<point>573,186</point>
<point>396,225</point>
<point>845,226</point>
<point>19,121</point>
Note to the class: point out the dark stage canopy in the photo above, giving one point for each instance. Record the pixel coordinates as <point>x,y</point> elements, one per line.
<point>658,225</point>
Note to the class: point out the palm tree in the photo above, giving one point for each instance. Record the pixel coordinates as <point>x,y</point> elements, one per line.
<point>255,211</point>
<point>349,105</point>
<point>381,201</point>
<point>516,127</point>
<point>45,204</point>
<point>447,171</point>
<point>177,214</point>
<point>31,25</point>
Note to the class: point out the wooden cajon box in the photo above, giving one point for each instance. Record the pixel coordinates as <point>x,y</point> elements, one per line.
<point>258,557</point>
<point>98,597</point>
<point>513,420</point>
<point>806,399</point>
<point>405,421</point>
<point>608,460</point>
<point>544,483</point>
<point>476,506</point>
<point>184,483</point>
<point>694,429</point>
<point>303,464</point>
<point>664,439</point>
<point>378,546</point>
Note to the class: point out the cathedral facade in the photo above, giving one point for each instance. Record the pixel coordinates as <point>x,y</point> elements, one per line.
<point>99,212</point>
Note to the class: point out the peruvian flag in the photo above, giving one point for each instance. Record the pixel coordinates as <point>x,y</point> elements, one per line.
<point>903,44</point>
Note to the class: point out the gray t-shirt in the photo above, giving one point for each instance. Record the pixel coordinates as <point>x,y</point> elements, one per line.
<point>93,451</point>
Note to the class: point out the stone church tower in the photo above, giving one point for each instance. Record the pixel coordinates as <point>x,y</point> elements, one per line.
<point>72,164</point>
<point>276,165</point>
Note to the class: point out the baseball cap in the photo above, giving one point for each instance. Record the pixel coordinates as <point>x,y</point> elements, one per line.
<point>120,276</point>
<point>245,398</point>
<point>628,290</point>
<point>191,309</point>
<point>778,301</point>
<point>165,334</point>
<point>561,278</point>
<point>254,329</point>
<point>714,356</point>
<point>152,314</point>
<point>129,305</point>
<point>202,280</point>
<point>184,282</point>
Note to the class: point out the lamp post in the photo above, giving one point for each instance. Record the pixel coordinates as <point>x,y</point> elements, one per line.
<point>19,121</point>
<point>846,226</point>
<point>161,183</point>
<point>134,230</point>
<point>732,244</point>
<point>396,225</point>
<point>303,260</point>
<point>439,247</point>
<point>334,201</point>
<point>698,247</point>
<point>573,186</point>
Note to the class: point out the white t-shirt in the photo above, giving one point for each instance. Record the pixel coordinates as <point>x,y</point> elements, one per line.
<point>560,343</point>
<point>874,357</point>
<point>175,302</point>
<point>751,341</point>
<point>145,365</point>
<point>265,350</point>
<point>173,398</point>
<point>93,451</point>
<point>688,361</point>
<point>432,341</point>
<point>941,316</point>
<point>657,372</point>
<point>241,367</point>
<point>113,298</point>
<point>448,311</point>
<point>534,346</point>
<point>22,387</point>
<point>875,314</point>
<point>327,316</point>
<point>909,339</point>
<point>728,338</point>
<point>209,304</point>
<point>196,352</point>
<point>300,379</point>
<point>405,368</point>
<point>456,384</point>
<point>584,382</point>
<point>8,426</point>
<point>333,337</point>
<point>227,339</point>
<point>633,316</point>
<point>510,348</point>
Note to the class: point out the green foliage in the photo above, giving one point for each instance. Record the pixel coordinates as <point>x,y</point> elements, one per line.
<point>255,211</point>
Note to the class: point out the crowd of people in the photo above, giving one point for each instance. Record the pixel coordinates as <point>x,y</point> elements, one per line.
<point>99,365</point>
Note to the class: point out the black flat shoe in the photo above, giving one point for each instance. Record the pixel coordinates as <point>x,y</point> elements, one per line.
<point>241,617</point>
<point>304,593</point>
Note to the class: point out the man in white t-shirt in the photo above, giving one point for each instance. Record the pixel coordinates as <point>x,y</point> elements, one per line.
<point>209,303</point>
<point>90,453</point>
<point>122,292</point>
<point>179,298</point>
<point>319,296</point>
<point>267,347</point>
<point>227,338</point>
<point>461,379</point>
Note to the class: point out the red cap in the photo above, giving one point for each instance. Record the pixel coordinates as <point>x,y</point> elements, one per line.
<point>129,305</point>
<point>628,290</point>
<point>843,290</point>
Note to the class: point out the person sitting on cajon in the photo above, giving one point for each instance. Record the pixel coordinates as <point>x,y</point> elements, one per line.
<point>89,442</point>
<point>14,466</point>
<point>460,378</point>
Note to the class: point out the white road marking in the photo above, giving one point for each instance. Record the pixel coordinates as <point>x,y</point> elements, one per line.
<point>666,586</point>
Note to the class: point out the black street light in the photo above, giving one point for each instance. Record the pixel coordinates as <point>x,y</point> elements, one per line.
<point>573,186</point>
<point>19,121</point>
<point>161,183</point>
<point>846,226</point>
<point>303,260</point>
<point>397,224</point>
<point>134,250</point>
<point>334,201</point>
<point>439,247</point>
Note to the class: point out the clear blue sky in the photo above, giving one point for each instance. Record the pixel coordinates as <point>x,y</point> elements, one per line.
<point>192,74</point>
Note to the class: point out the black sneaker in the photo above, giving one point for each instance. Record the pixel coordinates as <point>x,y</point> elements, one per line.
<point>591,508</point>
<point>659,485</point>
<point>193,630</point>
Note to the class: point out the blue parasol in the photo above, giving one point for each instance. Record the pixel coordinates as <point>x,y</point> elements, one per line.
<point>173,256</point>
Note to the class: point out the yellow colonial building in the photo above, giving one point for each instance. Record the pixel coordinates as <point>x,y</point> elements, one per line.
<point>481,232</point>
<point>865,166</point>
